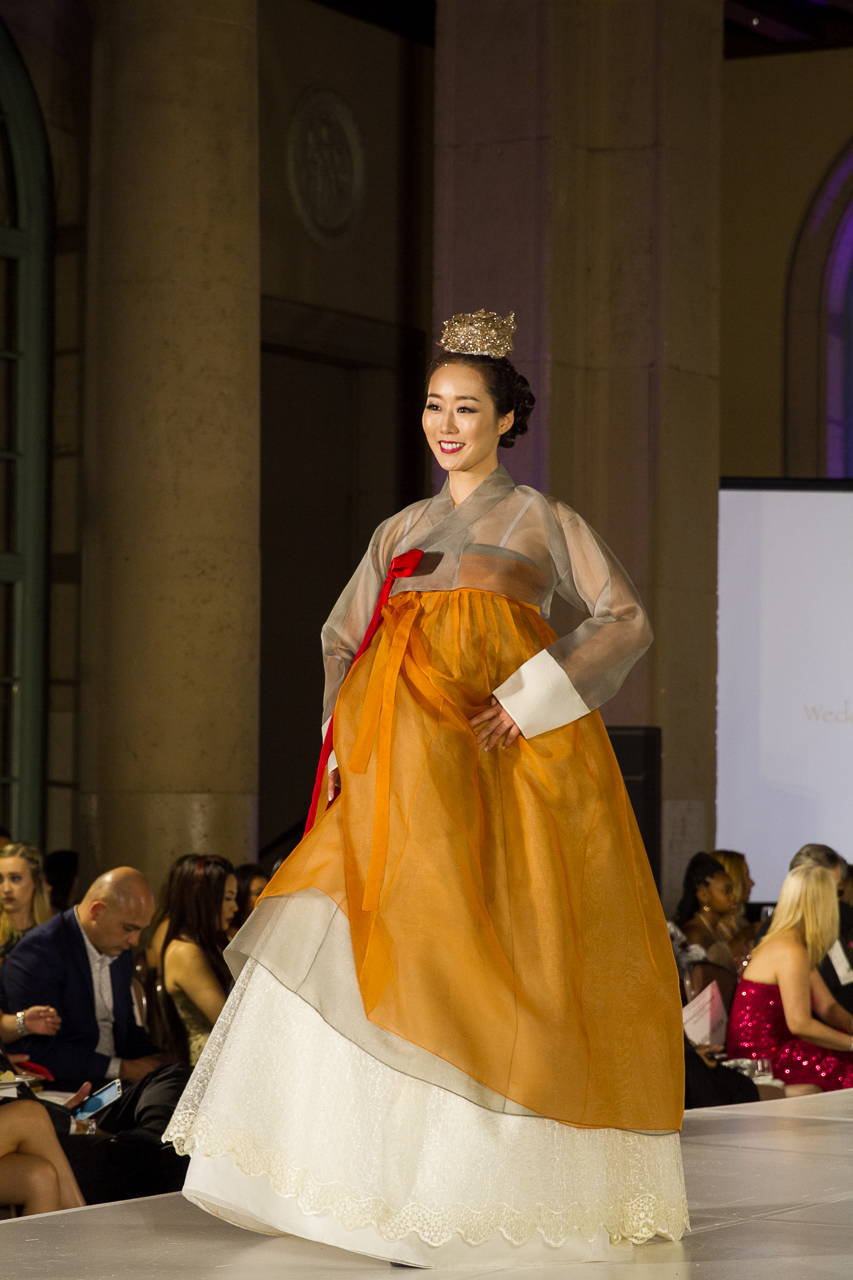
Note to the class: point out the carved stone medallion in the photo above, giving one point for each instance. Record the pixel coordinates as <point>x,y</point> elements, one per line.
<point>325,165</point>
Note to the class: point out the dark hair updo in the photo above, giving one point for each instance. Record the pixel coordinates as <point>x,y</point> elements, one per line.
<point>700,869</point>
<point>509,389</point>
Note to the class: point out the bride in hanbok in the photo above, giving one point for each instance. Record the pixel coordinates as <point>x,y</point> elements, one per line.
<point>455,1034</point>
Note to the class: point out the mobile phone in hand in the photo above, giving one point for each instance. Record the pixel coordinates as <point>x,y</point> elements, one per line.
<point>103,1097</point>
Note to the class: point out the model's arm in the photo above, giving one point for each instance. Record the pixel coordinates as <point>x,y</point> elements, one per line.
<point>345,626</point>
<point>581,670</point>
<point>344,629</point>
<point>794,978</point>
<point>188,969</point>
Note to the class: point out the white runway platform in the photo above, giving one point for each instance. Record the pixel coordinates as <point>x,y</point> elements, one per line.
<point>770,1187</point>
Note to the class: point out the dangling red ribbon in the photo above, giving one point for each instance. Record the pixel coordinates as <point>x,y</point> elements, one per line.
<point>402,566</point>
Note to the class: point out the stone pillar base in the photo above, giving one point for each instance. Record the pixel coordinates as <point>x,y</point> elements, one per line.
<point>149,830</point>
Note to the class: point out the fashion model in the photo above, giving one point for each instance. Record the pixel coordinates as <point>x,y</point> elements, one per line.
<point>455,1032</point>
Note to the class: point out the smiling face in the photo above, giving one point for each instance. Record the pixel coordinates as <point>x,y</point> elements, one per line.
<point>461,423</point>
<point>16,886</point>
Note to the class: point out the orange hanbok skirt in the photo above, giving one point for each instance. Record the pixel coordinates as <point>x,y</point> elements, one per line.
<point>502,910</point>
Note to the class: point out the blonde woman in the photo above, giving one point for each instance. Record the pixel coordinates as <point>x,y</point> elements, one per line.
<point>783,1009</point>
<point>738,932</point>
<point>24,899</point>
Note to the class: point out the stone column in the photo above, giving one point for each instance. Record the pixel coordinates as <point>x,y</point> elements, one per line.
<point>492,185</point>
<point>612,244</point>
<point>169,624</point>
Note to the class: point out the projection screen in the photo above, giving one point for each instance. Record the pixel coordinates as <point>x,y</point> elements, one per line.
<point>785,675</point>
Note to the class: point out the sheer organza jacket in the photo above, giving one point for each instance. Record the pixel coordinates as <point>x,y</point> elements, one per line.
<point>515,541</point>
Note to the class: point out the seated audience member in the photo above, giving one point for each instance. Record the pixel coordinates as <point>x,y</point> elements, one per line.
<point>34,1171</point>
<point>24,900</point>
<point>819,855</point>
<point>836,968</point>
<point>185,951</point>
<point>707,898</point>
<point>126,1156</point>
<point>251,880</point>
<point>772,1013</point>
<point>707,1083</point>
<point>822,856</point>
<point>735,928</point>
<point>81,963</point>
<point>60,871</point>
<point>845,889</point>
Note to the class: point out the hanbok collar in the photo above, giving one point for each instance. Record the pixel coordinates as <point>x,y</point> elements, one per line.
<point>442,520</point>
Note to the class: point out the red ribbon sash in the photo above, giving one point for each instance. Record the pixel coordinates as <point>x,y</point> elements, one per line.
<point>402,566</point>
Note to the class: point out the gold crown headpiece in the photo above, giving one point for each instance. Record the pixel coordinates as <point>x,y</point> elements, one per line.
<point>483,333</point>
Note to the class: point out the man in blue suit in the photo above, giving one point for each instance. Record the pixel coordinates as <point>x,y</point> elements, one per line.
<point>81,962</point>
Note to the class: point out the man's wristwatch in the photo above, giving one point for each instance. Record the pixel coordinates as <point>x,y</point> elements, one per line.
<point>21,1023</point>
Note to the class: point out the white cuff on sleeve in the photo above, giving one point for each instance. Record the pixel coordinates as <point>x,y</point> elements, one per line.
<point>540,696</point>
<point>113,1069</point>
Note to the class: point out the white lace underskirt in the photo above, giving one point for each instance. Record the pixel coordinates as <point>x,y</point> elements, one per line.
<point>294,1128</point>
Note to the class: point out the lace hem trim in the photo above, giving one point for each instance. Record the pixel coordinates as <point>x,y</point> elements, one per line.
<point>636,1220</point>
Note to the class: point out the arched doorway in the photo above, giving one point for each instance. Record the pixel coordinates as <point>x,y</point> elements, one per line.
<point>819,333</point>
<point>25,278</point>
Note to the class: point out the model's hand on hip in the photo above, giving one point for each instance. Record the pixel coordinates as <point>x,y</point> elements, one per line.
<point>494,727</point>
<point>334,783</point>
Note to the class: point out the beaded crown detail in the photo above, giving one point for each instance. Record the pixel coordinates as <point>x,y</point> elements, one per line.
<point>481,333</point>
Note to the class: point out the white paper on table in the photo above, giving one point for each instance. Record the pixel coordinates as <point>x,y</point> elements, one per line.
<point>704,1017</point>
<point>840,963</point>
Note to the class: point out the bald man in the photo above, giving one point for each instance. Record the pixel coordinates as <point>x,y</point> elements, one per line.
<point>81,962</point>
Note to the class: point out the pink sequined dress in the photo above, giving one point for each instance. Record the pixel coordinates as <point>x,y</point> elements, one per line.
<point>757,1029</point>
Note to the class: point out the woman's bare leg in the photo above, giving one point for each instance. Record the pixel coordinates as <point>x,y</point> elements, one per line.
<point>26,1130</point>
<point>801,1090</point>
<point>29,1182</point>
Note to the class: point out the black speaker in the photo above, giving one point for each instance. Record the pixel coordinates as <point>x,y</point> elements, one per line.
<point>638,750</point>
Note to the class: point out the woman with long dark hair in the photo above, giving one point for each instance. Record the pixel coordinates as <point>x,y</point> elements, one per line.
<point>459,1064</point>
<point>190,934</point>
